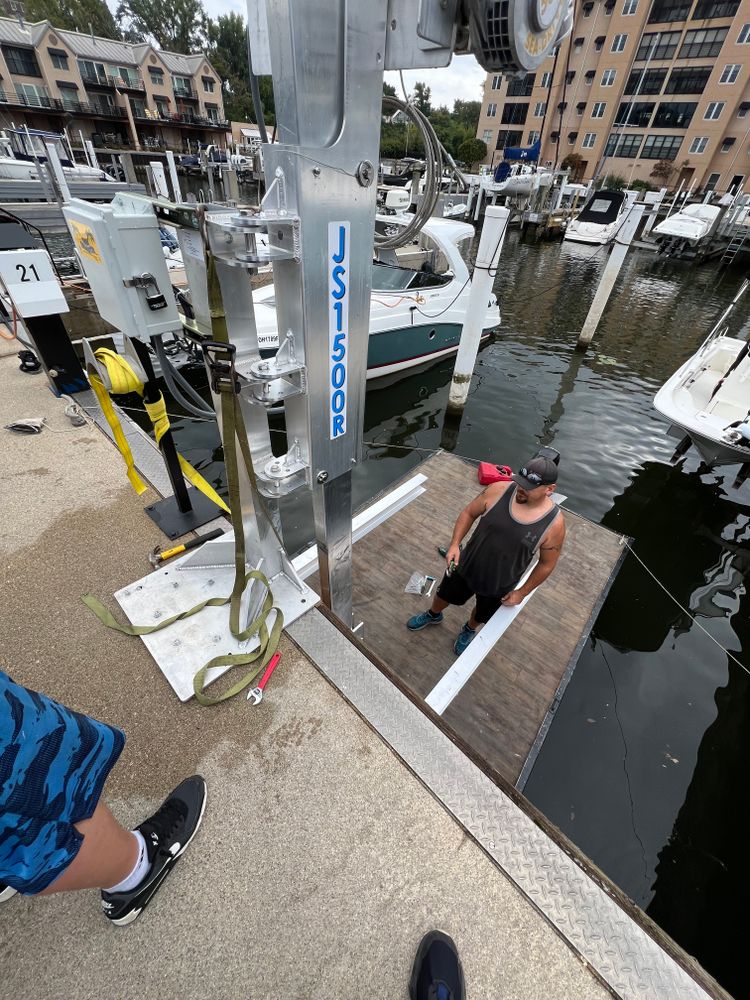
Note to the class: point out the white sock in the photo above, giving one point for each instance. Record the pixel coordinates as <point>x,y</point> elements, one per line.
<point>140,869</point>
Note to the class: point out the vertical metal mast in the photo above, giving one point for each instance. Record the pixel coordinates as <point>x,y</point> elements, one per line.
<point>327,59</point>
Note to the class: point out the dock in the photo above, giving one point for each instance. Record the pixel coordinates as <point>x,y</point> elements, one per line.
<point>505,707</point>
<point>341,823</point>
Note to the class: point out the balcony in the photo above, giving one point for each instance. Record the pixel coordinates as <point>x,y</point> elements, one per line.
<point>133,81</point>
<point>180,118</point>
<point>56,106</point>
<point>185,93</point>
<point>96,79</point>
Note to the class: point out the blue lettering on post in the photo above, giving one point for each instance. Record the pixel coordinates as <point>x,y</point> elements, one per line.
<point>338,325</point>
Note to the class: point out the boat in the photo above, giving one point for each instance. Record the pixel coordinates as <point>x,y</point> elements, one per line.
<point>522,180</point>
<point>600,218</point>
<point>19,148</point>
<point>418,304</point>
<point>708,397</point>
<point>688,227</point>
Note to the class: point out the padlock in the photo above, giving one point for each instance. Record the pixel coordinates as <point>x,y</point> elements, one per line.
<point>156,301</point>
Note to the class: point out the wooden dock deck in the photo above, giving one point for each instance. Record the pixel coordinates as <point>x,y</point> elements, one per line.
<point>504,709</point>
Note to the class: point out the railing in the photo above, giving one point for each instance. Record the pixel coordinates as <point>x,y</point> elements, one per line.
<point>133,81</point>
<point>61,106</point>
<point>183,91</point>
<point>103,81</point>
<point>180,118</point>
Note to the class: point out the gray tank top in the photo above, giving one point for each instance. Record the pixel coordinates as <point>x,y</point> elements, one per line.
<point>501,548</point>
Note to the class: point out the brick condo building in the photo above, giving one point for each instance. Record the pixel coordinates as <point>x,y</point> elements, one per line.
<point>637,82</point>
<point>115,94</point>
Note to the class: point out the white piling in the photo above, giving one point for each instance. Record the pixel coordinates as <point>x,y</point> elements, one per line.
<point>173,175</point>
<point>490,244</point>
<point>89,147</point>
<point>623,239</point>
<point>159,178</point>
<point>53,161</point>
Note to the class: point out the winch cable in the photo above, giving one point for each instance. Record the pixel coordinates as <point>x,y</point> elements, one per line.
<point>234,433</point>
<point>179,387</point>
<point>124,380</point>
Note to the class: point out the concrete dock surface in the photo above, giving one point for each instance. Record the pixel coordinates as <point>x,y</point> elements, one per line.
<point>322,859</point>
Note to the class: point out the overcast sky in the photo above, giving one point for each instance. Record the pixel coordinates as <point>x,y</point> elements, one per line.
<point>462,79</point>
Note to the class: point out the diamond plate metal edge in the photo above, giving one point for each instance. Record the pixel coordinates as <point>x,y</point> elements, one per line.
<point>632,964</point>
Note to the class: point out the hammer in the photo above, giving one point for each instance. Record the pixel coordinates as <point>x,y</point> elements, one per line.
<point>156,558</point>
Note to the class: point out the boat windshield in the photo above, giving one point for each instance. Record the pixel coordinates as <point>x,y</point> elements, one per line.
<point>390,278</point>
<point>602,207</point>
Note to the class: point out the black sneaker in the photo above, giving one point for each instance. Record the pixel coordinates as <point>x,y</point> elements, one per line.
<point>167,833</point>
<point>6,892</point>
<point>437,972</point>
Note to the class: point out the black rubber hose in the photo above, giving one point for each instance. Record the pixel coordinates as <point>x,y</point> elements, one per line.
<point>176,384</point>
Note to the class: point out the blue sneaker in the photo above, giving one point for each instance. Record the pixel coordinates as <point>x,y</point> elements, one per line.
<point>464,638</point>
<point>416,622</point>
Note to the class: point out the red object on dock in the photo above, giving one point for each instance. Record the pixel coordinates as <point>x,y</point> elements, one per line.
<point>490,473</point>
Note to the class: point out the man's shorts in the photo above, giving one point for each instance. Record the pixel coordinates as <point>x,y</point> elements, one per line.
<point>53,765</point>
<point>455,590</point>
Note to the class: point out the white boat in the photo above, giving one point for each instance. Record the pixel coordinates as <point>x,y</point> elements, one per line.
<point>416,313</point>
<point>600,218</point>
<point>709,397</point>
<point>522,181</point>
<point>691,224</point>
<point>18,147</point>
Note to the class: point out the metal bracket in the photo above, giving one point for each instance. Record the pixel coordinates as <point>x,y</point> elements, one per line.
<point>279,377</point>
<point>285,473</point>
<point>239,237</point>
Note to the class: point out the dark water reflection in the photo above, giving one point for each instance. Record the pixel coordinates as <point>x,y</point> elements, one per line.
<point>645,764</point>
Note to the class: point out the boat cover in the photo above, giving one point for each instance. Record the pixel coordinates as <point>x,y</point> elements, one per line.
<point>602,208</point>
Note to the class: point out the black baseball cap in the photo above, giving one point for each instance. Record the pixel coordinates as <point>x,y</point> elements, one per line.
<point>538,471</point>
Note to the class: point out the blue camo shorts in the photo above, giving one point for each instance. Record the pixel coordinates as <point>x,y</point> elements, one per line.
<point>53,765</point>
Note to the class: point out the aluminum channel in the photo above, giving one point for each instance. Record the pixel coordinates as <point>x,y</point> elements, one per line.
<point>631,963</point>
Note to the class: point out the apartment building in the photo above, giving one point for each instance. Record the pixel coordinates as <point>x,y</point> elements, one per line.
<point>637,83</point>
<point>115,94</point>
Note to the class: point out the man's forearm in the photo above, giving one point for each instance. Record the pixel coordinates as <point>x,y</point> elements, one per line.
<point>461,528</point>
<point>538,575</point>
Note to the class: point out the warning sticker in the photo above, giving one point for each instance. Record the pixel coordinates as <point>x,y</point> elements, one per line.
<point>84,240</point>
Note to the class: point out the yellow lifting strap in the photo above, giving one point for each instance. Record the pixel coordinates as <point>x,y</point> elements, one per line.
<point>123,380</point>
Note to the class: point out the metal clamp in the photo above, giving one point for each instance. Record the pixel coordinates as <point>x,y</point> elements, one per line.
<point>223,374</point>
<point>278,377</point>
<point>285,473</point>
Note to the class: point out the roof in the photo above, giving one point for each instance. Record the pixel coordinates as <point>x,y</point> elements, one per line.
<point>94,47</point>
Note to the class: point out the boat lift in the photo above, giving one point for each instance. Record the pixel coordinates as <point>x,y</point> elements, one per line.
<point>327,62</point>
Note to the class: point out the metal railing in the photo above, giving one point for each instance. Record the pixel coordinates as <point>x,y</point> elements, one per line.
<point>61,106</point>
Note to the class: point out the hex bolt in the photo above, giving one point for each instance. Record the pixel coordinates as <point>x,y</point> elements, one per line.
<point>322,476</point>
<point>316,171</point>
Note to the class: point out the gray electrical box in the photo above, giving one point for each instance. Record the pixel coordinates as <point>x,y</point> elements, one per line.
<point>120,251</point>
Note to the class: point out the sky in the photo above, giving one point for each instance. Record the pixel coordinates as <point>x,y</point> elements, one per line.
<point>461,80</point>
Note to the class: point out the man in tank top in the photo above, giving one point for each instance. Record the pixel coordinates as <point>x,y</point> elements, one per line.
<point>517,520</point>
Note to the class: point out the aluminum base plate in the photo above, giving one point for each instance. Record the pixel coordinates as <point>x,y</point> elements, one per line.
<point>183,648</point>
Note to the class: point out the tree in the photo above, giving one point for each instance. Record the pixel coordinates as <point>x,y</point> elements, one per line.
<point>74,15</point>
<point>421,97</point>
<point>388,90</point>
<point>573,162</point>
<point>227,50</point>
<point>177,26</point>
<point>663,170</point>
<point>472,151</point>
<point>467,113</point>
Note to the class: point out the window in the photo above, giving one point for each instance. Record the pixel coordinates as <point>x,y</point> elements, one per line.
<point>730,73</point>
<point>688,80</point>
<point>699,143</point>
<point>21,61</point>
<point>580,107</point>
<point>105,104</point>
<point>677,115</point>
<point>162,107</point>
<point>129,77</point>
<point>623,144</point>
<point>645,81</point>
<point>572,136</point>
<point>636,115</point>
<point>546,80</point>
<point>514,114</point>
<point>667,11</point>
<point>713,111</point>
<point>587,8</point>
<point>608,77</point>
<point>69,96</point>
<point>629,7</point>
<point>522,87</point>
<point>598,109</point>
<point>715,8</point>
<point>588,140</point>
<point>534,137</point>
<point>618,43</point>
<point>156,75</point>
<point>590,74</point>
<point>208,84</point>
<point>487,136</point>
<point>497,79</point>
<point>661,147</point>
<point>540,109</point>
<point>182,86</point>
<point>491,110</point>
<point>744,36</point>
<point>659,45</point>
<point>212,112</point>
<point>138,107</point>
<point>599,43</point>
<point>33,96</point>
<point>703,43</point>
<point>578,44</point>
<point>570,76</point>
<point>609,6</point>
<point>508,138</point>
<point>743,109</point>
<point>727,144</point>
<point>92,72</point>
<point>712,181</point>
<point>59,58</point>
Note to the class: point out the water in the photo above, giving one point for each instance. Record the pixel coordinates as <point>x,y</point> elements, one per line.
<point>645,764</point>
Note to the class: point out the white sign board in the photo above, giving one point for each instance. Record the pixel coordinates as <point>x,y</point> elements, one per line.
<point>32,283</point>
